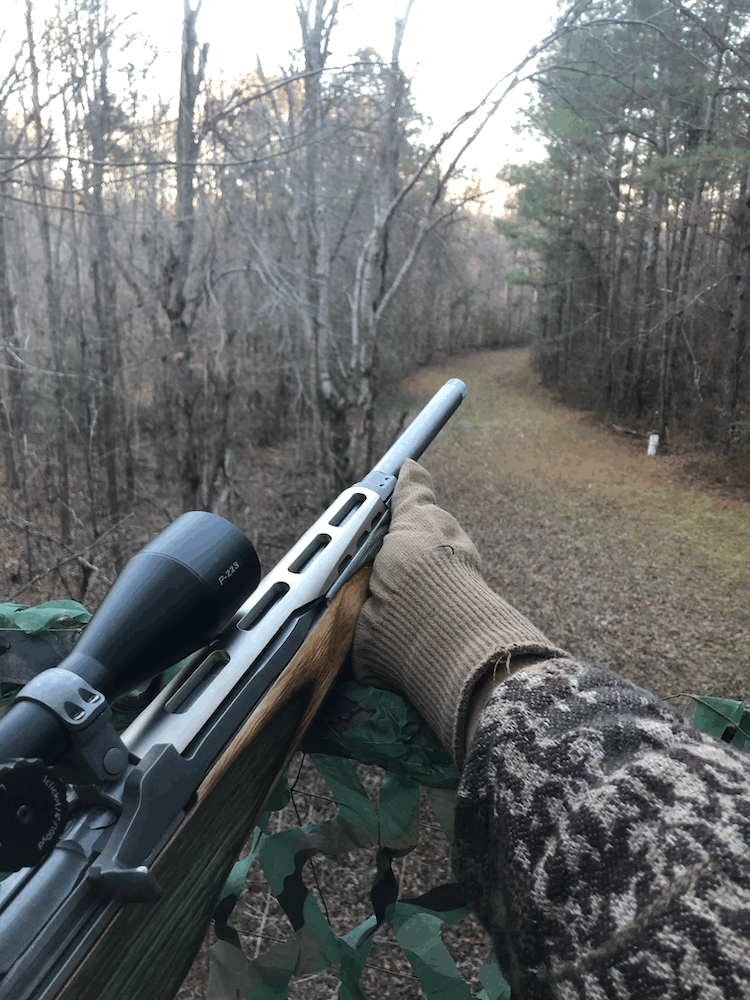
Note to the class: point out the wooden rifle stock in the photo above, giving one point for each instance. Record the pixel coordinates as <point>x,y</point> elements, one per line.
<point>147,948</point>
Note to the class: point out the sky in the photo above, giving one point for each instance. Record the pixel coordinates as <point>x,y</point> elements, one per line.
<point>454,50</point>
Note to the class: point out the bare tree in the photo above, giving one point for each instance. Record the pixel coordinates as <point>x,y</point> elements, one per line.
<point>179,299</point>
<point>38,173</point>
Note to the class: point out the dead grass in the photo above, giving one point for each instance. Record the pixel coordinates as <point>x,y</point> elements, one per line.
<point>636,562</point>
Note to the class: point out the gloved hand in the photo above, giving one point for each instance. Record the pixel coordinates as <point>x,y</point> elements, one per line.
<point>431,627</point>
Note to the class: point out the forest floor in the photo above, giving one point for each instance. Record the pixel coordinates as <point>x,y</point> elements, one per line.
<point>637,563</point>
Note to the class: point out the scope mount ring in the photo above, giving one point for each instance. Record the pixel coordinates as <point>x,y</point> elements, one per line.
<point>97,750</point>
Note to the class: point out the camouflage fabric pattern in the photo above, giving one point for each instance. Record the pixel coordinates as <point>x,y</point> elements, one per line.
<point>605,842</point>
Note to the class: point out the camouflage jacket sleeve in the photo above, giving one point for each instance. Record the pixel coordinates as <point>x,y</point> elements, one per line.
<point>605,843</point>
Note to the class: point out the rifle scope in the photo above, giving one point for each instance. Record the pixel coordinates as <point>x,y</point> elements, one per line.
<point>173,597</point>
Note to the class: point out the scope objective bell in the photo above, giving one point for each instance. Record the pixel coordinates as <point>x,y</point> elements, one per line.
<point>174,596</point>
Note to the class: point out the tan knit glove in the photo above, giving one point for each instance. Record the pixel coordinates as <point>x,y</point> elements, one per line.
<point>431,627</point>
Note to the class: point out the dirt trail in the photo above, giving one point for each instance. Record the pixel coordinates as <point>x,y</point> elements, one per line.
<point>615,555</point>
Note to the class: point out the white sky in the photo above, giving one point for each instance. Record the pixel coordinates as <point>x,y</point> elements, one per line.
<point>454,50</point>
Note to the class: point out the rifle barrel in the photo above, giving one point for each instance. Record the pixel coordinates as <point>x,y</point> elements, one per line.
<point>423,429</point>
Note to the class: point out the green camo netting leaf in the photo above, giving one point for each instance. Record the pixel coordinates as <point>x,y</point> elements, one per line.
<point>723,718</point>
<point>385,730</point>
<point>43,617</point>
<point>36,638</point>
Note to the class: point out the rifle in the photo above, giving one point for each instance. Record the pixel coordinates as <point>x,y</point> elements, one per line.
<point>120,844</point>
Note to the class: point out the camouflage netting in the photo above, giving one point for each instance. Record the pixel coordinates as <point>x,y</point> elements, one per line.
<point>360,724</point>
<point>371,727</point>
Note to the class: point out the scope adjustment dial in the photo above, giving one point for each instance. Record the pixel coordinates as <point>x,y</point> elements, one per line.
<point>33,812</point>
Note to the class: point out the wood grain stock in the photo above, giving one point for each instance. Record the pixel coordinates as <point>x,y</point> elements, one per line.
<point>147,949</point>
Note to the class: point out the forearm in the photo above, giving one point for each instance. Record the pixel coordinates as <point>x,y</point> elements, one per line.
<point>604,842</point>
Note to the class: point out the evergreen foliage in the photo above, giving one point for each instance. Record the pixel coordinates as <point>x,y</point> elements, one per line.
<point>640,216</point>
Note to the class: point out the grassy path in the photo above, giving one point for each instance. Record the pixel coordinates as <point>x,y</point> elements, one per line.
<point>616,555</point>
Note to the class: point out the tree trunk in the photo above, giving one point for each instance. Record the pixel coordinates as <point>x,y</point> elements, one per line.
<point>734,352</point>
<point>374,284</point>
<point>330,402</point>
<point>674,326</point>
<point>176,298</point>
<point>11,407</point>
<point>105,292</point>
<point>54,310</point>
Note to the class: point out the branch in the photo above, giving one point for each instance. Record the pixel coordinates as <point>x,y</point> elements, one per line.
<point>72,558</point>
<point>425,229</point>
<point>721,43</point>
<point>568,23</point>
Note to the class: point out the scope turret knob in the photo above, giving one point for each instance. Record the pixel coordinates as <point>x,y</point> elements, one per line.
<point>33,812</point>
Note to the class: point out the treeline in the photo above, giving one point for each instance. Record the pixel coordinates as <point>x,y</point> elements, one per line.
<point>640,216</point>
<point>251,266</point>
